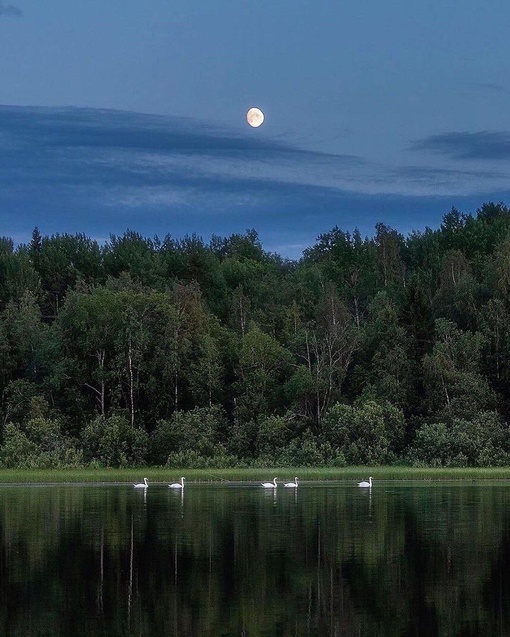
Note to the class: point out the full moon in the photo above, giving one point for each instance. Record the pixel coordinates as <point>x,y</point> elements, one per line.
<point>255,117</point>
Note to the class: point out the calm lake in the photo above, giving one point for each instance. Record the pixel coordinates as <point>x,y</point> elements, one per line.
<point>402,558</point>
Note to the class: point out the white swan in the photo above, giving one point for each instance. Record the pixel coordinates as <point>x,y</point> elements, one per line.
<point>291,484</point>
<point>269,485</point>
<point>366,484</point>
<point>177,485</point>
<point>142,485</point>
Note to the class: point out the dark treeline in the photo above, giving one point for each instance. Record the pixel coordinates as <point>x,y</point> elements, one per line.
<point>185,353</point>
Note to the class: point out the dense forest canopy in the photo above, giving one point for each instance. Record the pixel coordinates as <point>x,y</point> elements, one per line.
<point>180,352</point>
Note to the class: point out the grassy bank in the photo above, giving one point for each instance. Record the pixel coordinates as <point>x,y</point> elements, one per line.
<point>163,475</point>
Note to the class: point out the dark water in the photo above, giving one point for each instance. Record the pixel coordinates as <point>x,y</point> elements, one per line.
<point>399,559</point>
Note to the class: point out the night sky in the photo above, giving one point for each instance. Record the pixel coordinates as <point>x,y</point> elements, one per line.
<point>131,115</point>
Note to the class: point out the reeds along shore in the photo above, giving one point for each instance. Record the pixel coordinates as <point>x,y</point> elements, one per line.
<point>225,476</point>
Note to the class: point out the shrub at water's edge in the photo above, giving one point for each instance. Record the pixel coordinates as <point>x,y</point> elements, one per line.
<point>368,433</point>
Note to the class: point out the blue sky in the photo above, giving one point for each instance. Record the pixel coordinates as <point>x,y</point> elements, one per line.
<point>125,114</point>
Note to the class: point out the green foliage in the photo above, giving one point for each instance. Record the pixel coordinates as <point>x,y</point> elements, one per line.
<point>38,444</point>
<point>192,434</point>
<point>189,458</point>
<point>242,439</point>
<point>132,254</point>
<point>274,436</point>
<point>61,261</point>
<point>17,449</point>
<point>384,369</point>
<point>113,442</point>
<point>456,387</point>
<point>367,433</point>
<point>18,396</point>
<point>482,442</point>
<point>306,450</point>
<point>263,365</point>
<point>222,353</point>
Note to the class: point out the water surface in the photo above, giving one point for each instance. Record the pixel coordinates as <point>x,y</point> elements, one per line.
<point>402,558</point>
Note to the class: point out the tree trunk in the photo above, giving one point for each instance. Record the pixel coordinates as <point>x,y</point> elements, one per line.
<point>131,384</point>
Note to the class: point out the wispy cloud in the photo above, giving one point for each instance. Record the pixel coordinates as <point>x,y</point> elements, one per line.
<point>10,10</point>
<point>485,145</point>
<point>492,87</point>
<point>100,171</point>
<point>137,159</point>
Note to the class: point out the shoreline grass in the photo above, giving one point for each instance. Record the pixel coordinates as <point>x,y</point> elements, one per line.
<point>163,474</point>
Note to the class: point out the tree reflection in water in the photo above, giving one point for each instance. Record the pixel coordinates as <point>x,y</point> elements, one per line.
<point>337,560</point>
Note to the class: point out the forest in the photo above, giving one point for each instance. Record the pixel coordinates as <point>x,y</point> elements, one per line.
<point>182,353</point>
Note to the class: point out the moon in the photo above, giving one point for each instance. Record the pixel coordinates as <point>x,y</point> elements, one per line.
<point>255,117</point>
